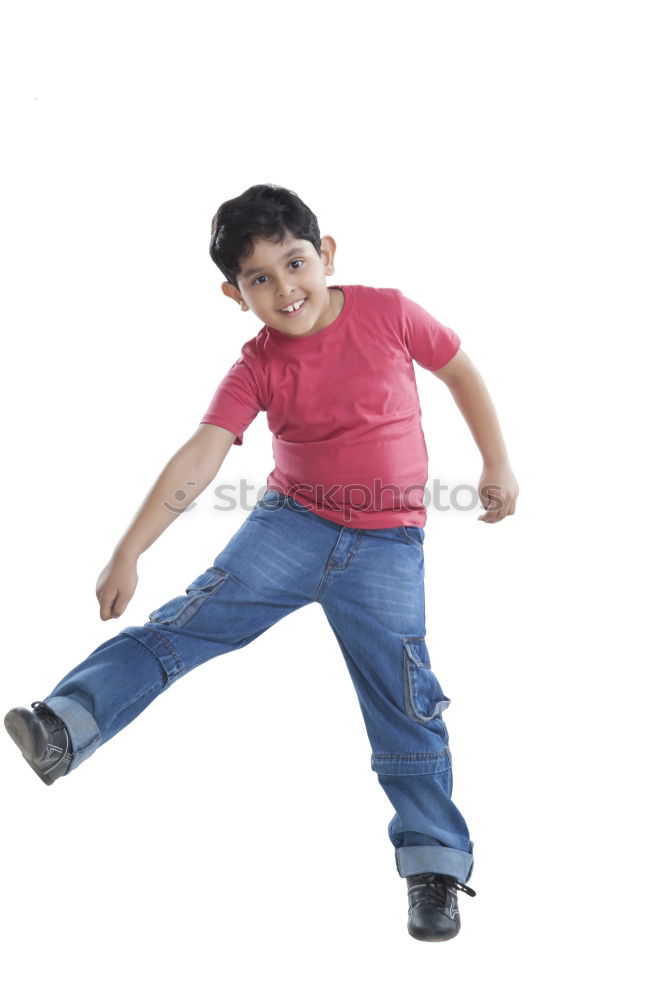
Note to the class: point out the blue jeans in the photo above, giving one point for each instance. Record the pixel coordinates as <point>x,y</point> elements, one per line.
<point>369,583</point>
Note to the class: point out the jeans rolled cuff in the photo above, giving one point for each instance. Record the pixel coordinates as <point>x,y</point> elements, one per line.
<point>84,733</point>
<point>418,858</point>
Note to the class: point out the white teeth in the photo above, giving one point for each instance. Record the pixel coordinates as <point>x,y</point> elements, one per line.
<point>294,308</point>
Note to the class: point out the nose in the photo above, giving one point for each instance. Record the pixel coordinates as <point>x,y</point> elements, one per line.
<point>285,286</point>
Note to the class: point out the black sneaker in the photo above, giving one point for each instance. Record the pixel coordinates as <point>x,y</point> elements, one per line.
<point>433,906</point>
<point>42,738</point>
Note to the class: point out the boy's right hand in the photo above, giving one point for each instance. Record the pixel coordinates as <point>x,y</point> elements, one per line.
<point>116,585</point>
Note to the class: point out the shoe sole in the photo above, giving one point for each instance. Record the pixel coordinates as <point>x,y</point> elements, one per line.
<point>18,727</point>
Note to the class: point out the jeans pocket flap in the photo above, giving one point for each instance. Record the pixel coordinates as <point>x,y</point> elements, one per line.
<point>424,698</point>
<point>208,581</point>
<point>180,609</point>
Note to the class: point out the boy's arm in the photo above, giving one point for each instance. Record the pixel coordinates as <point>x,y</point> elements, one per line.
<point>184,477</point>
<point>473,400</point>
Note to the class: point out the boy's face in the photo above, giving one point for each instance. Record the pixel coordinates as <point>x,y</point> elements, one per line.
<point>276,275</point>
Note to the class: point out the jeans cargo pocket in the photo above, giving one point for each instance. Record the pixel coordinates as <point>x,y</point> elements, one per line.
<point>180,609</point>
<point>424,698</point>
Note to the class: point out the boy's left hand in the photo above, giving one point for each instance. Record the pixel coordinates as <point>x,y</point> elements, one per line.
<point>498,490</point>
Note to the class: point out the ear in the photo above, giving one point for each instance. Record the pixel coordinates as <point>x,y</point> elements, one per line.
<point>233,293</point>
<point>328,248</point>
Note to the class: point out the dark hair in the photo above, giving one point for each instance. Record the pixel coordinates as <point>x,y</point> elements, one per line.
<point>265,210</point>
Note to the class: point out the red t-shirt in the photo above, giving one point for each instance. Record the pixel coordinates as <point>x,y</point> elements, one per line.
<point>343,407</point>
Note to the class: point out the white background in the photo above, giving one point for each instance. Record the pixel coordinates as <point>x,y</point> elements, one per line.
<point>502,164</point>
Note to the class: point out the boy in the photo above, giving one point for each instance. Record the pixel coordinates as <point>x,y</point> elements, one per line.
<point>332,368</point>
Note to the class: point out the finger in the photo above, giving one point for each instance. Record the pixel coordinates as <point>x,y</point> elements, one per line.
<point>500,514</point>
<point>106,608</point>
<point>496,509</point>
<point>489,515</point>
<point>486,514</point>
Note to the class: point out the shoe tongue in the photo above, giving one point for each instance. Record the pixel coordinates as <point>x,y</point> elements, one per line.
<point>438,877</point>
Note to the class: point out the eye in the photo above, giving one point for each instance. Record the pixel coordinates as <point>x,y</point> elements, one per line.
<point>298,260</point>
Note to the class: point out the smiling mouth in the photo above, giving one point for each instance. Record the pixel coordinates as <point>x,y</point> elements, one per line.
<point>294,308</point>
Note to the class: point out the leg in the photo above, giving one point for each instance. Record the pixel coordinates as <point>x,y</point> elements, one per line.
<point>373,598</point>
<point>265,572</point>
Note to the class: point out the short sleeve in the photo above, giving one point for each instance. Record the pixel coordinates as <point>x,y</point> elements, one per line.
<point>429,342</point>
<point>236,401</point>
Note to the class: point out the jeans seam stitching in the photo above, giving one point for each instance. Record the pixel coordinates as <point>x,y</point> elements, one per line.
<point>91,745</point>
<point>170,649</point>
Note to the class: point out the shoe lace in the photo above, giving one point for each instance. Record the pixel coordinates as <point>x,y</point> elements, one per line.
<point>436,885</point>
<point>42,710</point>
